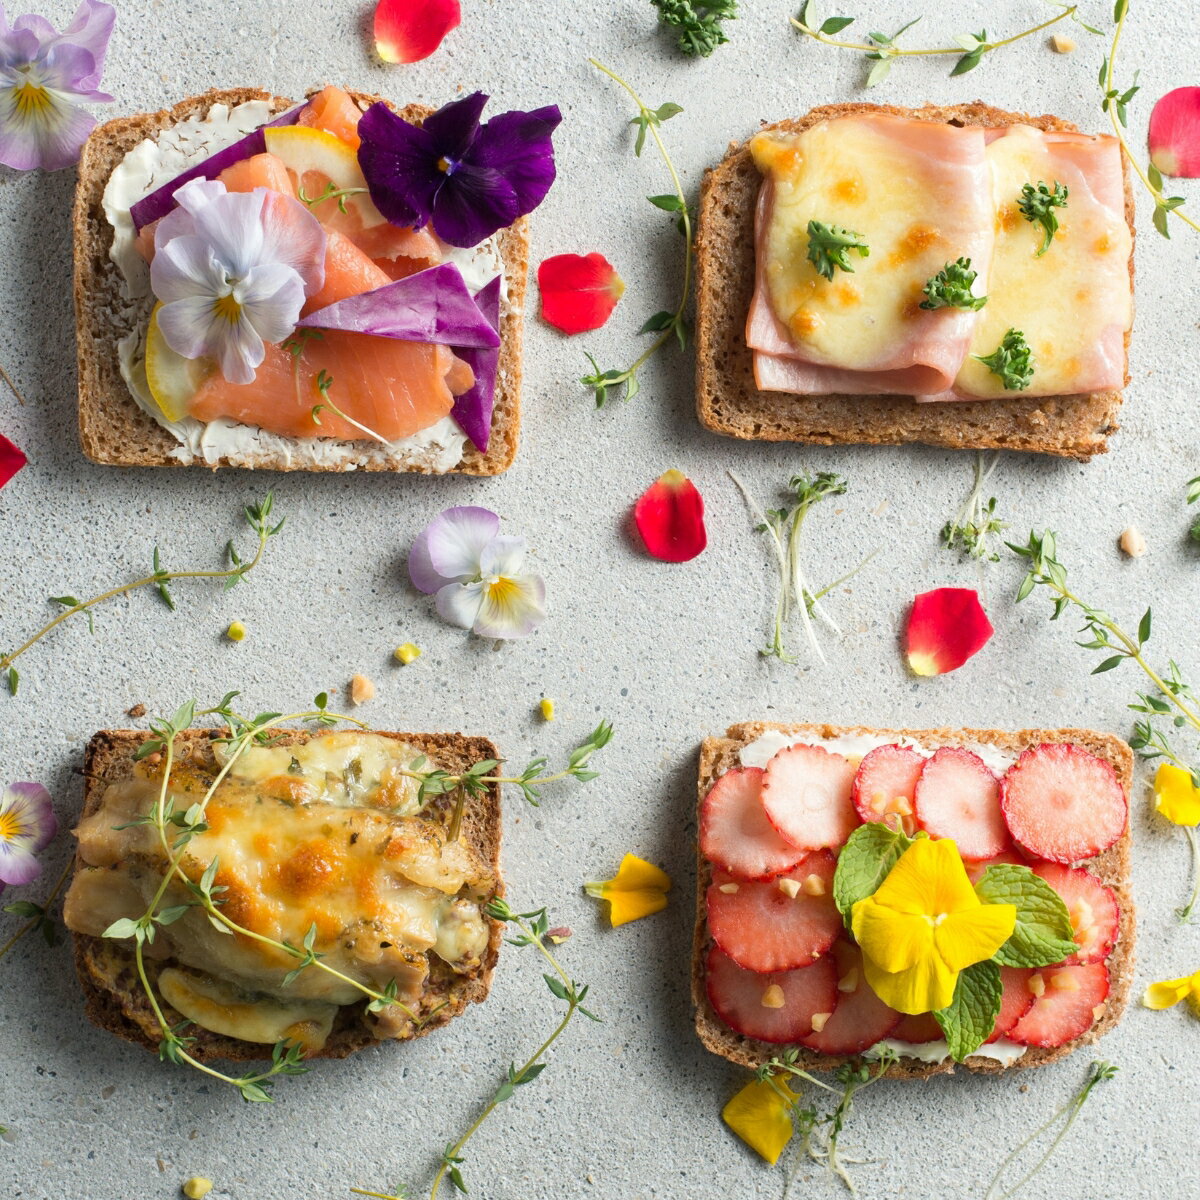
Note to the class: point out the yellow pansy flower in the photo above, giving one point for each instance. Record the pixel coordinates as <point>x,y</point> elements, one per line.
<point>761,1117</point>
<point>1171,991</point>
<point>638,889</point>
<point>924,925</point>
<point>1176,796</point>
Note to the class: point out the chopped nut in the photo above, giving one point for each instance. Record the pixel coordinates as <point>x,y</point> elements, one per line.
<point>138,710</point>
<point>879,802</point>
<point>789,887</point>
<point>1062,981</point>
<point>773,997</point>
<point>814,885</point>
<point>236,631</point>
<point>547,708</point>
<point>819,1020</point>
<point>1132,542</point>
<point>1062,44</point>
<point>197,1188</point>
<point>728,888</point>
<point>849,981</point>
<point>902,806</point>
<point>408,653</point>
<point>1098,1011</point>
<point>361,690</point>
<point>1037,985</point>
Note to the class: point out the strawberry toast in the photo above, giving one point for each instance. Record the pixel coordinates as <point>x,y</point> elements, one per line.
<point>949,895</point>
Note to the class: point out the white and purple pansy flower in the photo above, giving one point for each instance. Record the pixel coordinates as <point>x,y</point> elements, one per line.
<point>27,826</point>
<point>477,574</point>
<point>44,77</point>
<point>232,271</point>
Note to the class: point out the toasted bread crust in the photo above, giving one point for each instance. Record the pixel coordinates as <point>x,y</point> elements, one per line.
<point>1112,868</point>
<point>113,996</point>
<point>115,431</point>
<point>727,400</point>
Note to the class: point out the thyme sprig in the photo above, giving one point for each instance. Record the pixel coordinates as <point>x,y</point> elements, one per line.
<point>975,525</point>
<point>37,916</point>
<point>1171,697</point>
<point>1193,494</point>
<point>1099,1072</point>
<point>783,529</point>
<point>258,517</point>
<point>667,324</point>
<point>968,49</point>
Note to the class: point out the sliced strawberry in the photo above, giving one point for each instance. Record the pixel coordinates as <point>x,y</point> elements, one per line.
<point>807,796</point>
<point>1015,1001</point>
<point>1095,913</point>
<point>886,784</point>
<point>1071,1000</point>
<point>860,1019</point>
<point>976,869</point>
<point>735,834</point>
<point>1062,803</point>
<point>958,797</point>
<point>918,1030</point>
<point>778,925</point>
<point>773,1008</point>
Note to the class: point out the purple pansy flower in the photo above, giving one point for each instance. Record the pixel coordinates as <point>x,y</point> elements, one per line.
<point>468,179</point>
<point>44,76</point>
<point>27,826</point>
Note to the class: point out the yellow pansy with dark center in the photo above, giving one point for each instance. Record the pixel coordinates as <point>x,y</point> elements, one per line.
<point>924,925</point>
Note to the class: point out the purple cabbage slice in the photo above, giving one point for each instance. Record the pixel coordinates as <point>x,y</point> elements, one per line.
<point>473,409</point>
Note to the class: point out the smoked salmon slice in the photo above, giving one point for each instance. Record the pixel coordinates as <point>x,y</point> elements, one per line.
<point>332,110</point>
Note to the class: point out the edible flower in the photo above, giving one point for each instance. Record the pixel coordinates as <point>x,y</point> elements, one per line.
<point>469,179</point>
<point>44,76</point>
<point>945,628</point>
<point>579,291</point>
<point>925,924</point>
<point>638,890</point>
<point>1174,133</point>
<point>1169,993</point>
<point>477,574</point>
<point>670,518</point>
<point>27,826</point>
<point>407,31</point>
<point>761,1115</point>
<point>233,270</point>
<point>1175,795</point>
<point>12,459</point>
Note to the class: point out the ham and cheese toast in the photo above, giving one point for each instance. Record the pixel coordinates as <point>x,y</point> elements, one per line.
<point>852,347</point>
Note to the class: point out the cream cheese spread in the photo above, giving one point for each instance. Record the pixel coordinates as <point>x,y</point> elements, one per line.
<point>1002,1051</point>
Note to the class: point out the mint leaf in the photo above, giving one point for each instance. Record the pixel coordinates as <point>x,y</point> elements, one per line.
<point>1043,934</point>
<point>870,852</point>
<point>971,1017</point>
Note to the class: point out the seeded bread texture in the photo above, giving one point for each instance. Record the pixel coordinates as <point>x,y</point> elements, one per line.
<point>1112,868</point>
<point>113,428</point>
<point>727,400</point>
<point>113,996</point>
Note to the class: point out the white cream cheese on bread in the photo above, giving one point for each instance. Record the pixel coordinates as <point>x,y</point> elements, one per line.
<point>1001,1051</point>
<point>857,745</point>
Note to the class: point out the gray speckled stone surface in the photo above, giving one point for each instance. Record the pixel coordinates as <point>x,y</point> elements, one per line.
<point>629,1108</point>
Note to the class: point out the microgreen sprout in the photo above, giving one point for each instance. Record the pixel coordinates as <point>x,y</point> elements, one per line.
<point>324,383</point>
<point>976,525</point>
<point>1011,362</point>
<point>666,324</point>
<point>698,23</point>
<point>331,192</point>
<point>1193,494</point>
<point>258,517</point>
<point>829,246</point>
<point>951,288</point>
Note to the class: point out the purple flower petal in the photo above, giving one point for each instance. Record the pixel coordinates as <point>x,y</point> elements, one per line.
<point>17,864</point>
<point>455,126</point>
<point>472,204</point>
<point>449,548</point>
<point>33,810</point>
<point>91,28</point>
<point>519,144</point>
<point>473,409</point>
<point>399,162</point>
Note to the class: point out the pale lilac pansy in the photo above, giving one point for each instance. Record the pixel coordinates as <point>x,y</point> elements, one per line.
<point>27,826</point>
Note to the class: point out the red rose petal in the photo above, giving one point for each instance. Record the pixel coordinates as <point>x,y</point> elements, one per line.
<point>579,291</point>
<point>1175,133</point>
<point>945,628</point>
<point>670,518</point>
<point>11,460</point>
<point>407,31</point>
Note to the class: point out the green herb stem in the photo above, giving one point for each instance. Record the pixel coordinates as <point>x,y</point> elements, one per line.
<point>35,921</point>
<point>1185,913</point>
<point>12,387</point>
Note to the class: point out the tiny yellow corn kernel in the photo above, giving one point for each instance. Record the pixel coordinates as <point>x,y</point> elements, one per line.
<point>408,653</point>
<point>236,631</point>
<point>197,1187</point>
<point>819,1021</point>
<point>547,708</point>
<point>773,997</point>
<point>789,887</point>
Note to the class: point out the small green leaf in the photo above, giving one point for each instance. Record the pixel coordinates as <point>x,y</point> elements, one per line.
<point>668,203</point>
<point>865,861</point>
<point>969,1020</point>
<point>836,24</point>
<point>968,62</point>
<point>1144,628</point>
<point>1043,934</point>
<point>1108,664</point>
<point>879,72</point>
<point>556,986</point>
<point>124,928</point>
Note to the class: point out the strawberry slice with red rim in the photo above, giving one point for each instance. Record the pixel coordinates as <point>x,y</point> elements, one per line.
<point>976,869</point>
<point>806,793</point>
<point>735,834</point>
<point>1095,913</point>
<point>885,786</point>
<point>1015,1001</point>
<point>1067,1003</point>
<point>918,1030</point>
<point>860,1018</point>
<point>778,1007</point>
<point>779,925</point>
<point>1062,803</point>
<point>958,797</point>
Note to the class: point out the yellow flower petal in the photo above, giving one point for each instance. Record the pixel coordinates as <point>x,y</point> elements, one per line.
<point>1170,991</point>
<point>638,889</point>
<point>925,987</point>
<point>965,938</point>
<point>929,879</point>
<point>895,941</point>
<point>761,1117</point>
<point>1175,796</point>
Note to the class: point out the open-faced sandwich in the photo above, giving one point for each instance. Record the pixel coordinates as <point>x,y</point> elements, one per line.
<point>955,275</point>
<point>947,895</point>
<point>330,286</point>
<point>317,842</point>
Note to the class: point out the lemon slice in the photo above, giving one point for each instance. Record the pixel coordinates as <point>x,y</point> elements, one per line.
<point>173,379</point>
<point>318,159</point>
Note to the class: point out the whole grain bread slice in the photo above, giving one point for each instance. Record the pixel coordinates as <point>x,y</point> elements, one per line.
<point>115,431</point>
<point>1112,868</point>
<point>727,400</point>
<point>113,996</point>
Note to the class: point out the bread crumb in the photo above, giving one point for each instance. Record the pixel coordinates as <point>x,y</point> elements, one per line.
<point>1062,44</point>
<point>138,710</point>
<point>361,690</point>
<point>1132,542</point>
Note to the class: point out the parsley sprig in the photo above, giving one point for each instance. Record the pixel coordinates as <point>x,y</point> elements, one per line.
<point>698,23</point>
<point>829,246</point>
<point>1011,362</point>
<point>258,517</point>
<point>951,288</point>
<point>667,324</point>
<point>883,49</point>
<point>1037,205</point>
<point>976,525</point>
